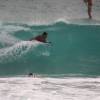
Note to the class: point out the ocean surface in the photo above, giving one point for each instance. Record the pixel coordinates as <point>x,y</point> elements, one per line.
<point>67,69</point>
<point>75,49</point>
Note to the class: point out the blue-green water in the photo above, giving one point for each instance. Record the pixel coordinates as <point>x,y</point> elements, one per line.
<point>75,49</point>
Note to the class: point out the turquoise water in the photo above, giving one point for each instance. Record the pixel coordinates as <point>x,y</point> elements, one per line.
<point>75,49</point>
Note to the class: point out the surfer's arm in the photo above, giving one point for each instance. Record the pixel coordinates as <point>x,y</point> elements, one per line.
<point>45,41</point>
<point>48,43</point>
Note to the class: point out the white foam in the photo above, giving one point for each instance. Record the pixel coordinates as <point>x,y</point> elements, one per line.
<point>46,53</point>
<point>24,88</point>
<point>7,34</point>
<point>17,50</point>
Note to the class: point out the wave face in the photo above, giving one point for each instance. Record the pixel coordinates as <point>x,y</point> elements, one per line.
<point>45,11</point>
<point>75,49</point>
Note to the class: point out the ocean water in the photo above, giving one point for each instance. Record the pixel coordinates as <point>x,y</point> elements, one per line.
<point>68,69</point>
<point>75,49</point>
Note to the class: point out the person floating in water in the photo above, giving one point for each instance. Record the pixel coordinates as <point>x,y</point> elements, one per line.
<point>41,38</point>
<point>89,5</point>
<point>30,74</point>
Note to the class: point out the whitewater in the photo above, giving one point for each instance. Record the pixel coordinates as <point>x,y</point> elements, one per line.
<point>69,69</point>
<point>45,88</point>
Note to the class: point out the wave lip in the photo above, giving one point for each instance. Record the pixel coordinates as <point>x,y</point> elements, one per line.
<point>85,21</point>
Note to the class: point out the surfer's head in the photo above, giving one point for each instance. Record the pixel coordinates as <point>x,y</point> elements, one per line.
<point>44,34</point>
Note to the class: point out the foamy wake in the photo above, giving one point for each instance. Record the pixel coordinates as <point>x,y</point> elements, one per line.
<point>17,50</point>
